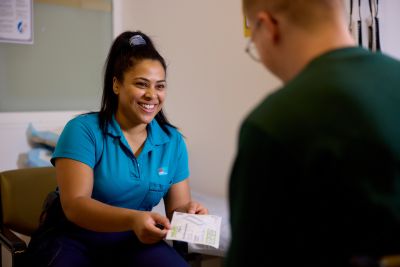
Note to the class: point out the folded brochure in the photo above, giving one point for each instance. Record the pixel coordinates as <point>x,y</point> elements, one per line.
<point>195,228</point>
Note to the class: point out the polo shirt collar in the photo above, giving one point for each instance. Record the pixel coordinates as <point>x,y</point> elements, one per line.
<point>156,135</point>
<point>113,128</point>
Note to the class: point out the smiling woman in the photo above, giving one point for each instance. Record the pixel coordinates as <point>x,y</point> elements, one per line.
<point>141,94</point>
<point>115,165</point>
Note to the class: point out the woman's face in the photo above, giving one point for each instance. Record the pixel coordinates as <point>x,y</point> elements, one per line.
<point>142,92</point>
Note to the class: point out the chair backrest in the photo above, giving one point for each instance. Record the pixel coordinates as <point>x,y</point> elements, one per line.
<point>22,193</point>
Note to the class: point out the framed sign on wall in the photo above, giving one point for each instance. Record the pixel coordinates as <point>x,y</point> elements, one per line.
<point>16,21</point>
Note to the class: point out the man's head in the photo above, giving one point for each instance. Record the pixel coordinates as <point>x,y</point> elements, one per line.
<point>290,29</point>
<point>304,13</point>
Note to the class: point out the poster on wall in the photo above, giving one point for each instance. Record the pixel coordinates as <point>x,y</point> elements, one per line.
<point>16,21</point>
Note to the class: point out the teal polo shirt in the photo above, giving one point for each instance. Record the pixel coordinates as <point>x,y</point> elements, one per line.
<point>120,178</point>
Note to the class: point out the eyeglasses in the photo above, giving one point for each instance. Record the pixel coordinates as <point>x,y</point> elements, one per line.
<point>250,47</point>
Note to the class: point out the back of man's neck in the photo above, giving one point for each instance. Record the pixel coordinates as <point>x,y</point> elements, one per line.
<point>306,47</point>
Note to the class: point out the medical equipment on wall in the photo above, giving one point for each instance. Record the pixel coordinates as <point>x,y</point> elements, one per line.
<point>372,22</point>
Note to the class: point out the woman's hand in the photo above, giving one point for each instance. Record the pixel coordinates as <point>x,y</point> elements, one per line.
<point>193,207</point>
<point>179,199</point>
<point>150,227</point>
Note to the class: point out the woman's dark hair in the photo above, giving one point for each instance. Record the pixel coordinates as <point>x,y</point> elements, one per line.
<point>127,50</point>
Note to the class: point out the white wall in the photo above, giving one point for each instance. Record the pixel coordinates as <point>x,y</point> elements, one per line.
<point>212,82</point>
<point>390,23</point>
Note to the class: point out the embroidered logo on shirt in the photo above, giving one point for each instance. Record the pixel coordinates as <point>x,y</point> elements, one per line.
<point>163,171</point>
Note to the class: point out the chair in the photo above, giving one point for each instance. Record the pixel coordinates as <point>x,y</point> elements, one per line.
<point>22,192</point>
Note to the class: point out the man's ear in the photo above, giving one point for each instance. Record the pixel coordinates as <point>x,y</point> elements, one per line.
<point>271,25</point>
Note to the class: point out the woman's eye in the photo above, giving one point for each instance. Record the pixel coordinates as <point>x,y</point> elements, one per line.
<point>161,86</point>
<point>141,85</point>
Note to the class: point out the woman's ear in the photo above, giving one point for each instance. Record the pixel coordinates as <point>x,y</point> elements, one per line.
<point>115,86</point>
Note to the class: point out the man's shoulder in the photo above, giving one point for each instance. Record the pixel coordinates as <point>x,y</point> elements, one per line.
<point>273,106</point>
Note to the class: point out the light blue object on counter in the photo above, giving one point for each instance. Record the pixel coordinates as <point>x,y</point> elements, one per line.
<point>48,138</point>
<point>38,157</point>
<point>43,144</point>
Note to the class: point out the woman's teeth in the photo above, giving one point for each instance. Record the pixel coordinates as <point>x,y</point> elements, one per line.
<point>147,106</point>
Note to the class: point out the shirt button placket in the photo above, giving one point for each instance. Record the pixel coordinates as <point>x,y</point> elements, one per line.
<point>134,172</point>
<point>138,168</point>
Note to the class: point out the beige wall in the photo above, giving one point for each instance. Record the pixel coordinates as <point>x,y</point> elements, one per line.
<point>212,83</point>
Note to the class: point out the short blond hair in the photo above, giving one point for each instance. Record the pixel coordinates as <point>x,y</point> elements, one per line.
<point>302,12</point>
